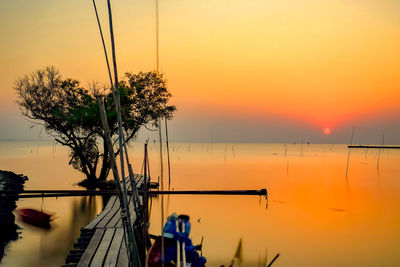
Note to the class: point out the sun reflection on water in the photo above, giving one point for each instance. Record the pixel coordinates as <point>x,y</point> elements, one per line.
<point>315,216</point>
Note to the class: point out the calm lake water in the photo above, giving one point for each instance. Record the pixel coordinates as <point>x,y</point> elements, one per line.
<point>315,216</point>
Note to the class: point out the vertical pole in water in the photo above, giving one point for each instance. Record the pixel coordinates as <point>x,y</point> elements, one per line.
<point>169,164</point>
<point>118,107</point>
<point>161,159</point>
<point>132,247</point>
<point>145,196</point>
<point>380,149</point>
<point>162,189</point>
<point>348,155</point>
<point>131,176</point>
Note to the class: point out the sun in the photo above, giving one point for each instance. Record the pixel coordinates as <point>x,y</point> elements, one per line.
<point>327,131</point>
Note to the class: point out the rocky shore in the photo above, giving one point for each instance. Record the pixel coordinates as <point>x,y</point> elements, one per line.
<point>8,228</point>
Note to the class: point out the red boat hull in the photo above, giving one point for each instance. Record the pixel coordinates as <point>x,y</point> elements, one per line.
<point>35,217</point>
<point>154,254</point>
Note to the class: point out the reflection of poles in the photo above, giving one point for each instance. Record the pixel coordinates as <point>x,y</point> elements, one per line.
<point>348,154</point>
<point>379,152</point>
<point>131,243</point>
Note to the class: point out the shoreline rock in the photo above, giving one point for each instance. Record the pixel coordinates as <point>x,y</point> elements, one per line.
<point>8,228</point>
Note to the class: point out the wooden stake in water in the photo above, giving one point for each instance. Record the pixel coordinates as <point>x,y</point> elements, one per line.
<point>348,154</point>
<point>266,257</point>
<point>134,257</point>
<point>287,167</point>
<point>301,148</point>
<point>379,152</point>
<point>168,159</point>
<point>131,243</point>
<point>145,195</point>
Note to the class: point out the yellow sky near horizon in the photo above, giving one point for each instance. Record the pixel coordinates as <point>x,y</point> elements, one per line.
<point>325,63</point>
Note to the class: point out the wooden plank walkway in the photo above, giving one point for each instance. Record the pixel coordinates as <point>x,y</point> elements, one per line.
<point>102,241</point>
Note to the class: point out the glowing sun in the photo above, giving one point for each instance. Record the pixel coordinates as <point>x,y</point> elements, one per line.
<point>327,131</point>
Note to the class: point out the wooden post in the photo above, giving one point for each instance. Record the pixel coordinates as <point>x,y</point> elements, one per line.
<point>167,142</point>
<point>145,197</point>
<point>135,196</point>
<point>348,154</point>
<point>118,108</point>
<point>129,237</point>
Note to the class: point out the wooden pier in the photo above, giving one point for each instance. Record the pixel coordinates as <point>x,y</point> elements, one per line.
<point>102,241</point>
<point>370,146</point>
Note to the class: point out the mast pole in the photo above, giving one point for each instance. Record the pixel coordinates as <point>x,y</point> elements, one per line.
<point>104,45</point>
<point>133,255</point>
<point>160,136</point>
<point>129,238</point>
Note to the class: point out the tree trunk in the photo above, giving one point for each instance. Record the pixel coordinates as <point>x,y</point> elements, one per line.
<point>91,178</point>
<point>105,167</point>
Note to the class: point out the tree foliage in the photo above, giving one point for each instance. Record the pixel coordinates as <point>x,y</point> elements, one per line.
<point>71,115</point>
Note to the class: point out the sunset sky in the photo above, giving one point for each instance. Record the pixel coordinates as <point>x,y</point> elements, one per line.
<point>239,71</point>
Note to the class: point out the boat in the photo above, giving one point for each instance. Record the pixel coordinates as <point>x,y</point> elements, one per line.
<point>154,254</point>
<point>178,248</point>
<point>35,217</point>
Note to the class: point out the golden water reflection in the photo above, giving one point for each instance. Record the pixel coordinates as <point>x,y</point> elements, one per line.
<point>315,216</point>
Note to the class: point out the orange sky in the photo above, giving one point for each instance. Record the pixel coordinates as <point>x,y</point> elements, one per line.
<point>320,63</point>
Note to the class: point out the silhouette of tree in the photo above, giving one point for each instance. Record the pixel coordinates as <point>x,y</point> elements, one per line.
<point>71,115</point>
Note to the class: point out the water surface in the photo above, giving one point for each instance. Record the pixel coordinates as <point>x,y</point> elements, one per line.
<point>315,216</point>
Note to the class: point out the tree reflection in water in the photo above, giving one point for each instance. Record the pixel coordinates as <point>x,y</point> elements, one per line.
<point>55,245</point>
<point>8,228</point>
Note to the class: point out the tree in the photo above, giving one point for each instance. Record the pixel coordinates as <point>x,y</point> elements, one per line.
<point>71,115</point>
